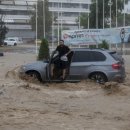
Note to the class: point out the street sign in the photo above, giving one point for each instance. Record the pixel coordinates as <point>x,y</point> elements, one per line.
<point>122,34</point>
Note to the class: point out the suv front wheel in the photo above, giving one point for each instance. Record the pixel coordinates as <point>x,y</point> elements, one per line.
<point>98,77</point>
<point>5,44</point>
<point>34,75</point>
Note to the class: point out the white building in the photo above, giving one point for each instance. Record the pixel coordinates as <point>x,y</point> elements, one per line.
<point>127,8</point>
<point>16,14</point>
<point>67,12</point>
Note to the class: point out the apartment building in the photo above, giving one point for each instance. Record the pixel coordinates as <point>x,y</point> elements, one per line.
<point>127,8</point>
<point>67,12</point>
<point>17,13</point>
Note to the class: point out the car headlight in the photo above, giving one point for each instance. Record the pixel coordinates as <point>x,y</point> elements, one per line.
<point>23,67</point>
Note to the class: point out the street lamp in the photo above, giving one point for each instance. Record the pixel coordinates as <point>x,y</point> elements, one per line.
<point>79,14</point>
<point>116,13</point>
<point>44,17</point>
<point>103,14</point>
<point>96,13</point>
<point>52,28</point>
<point>110,4</point>
<point>61,16</point>
<point>58,25</point>
<point>36,28</point>
<point>124,14</point>
<point>88,15</point>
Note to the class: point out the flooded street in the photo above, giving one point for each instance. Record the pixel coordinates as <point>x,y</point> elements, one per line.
<point>29,105</point>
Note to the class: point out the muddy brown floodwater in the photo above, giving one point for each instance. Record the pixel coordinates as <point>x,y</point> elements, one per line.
<point>27,105</point>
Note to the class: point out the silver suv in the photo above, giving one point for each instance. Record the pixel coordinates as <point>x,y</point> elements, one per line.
<point>96,64</point>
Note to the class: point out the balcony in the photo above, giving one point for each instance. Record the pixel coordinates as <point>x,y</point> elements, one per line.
<point>13,7</point>
<point>78,10</point>
<point>71,1</point>
<point>18,2</point>
<point>66,21</point>
<point>16,17</point>
<point>72,18</point>
<point>19,27</point>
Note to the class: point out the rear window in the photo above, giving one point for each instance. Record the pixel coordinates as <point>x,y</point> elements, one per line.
<point>88,56</point>
<point>116,56</point>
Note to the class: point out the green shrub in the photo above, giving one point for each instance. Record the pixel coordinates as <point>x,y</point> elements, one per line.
<point>44,50</point>
<point>104,45</point>
<point>3,31</point>
<point>92,46</point>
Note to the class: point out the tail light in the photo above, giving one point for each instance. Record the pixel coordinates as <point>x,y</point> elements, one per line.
<point>116,66</point>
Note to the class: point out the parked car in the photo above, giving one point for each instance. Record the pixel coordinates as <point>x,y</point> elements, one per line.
<point>96,64</point>
<point>13,41</point>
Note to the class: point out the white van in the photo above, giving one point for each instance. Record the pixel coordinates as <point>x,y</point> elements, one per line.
<point>13,41</point>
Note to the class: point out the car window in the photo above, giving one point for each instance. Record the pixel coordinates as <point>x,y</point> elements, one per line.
<point>88,56</point>
<point>116,56</point>
<point>82,56</point>
<point>98,56</point>
<point>11,40</point>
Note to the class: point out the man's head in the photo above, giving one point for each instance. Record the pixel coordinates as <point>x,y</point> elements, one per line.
<point>61,42</point>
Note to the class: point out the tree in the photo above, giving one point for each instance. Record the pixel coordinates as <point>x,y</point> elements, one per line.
<point>48,19</point>
<point>84,20</point>
<point>104,45</point>
<point>121,19</point>
<point>44,50</point>
<point>3,30</point>
<point>92,15</point>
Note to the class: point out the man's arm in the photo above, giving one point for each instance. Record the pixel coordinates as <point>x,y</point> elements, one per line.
<point>68,51</point>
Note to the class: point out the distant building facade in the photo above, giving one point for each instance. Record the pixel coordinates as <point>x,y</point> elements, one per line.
<point>17,13</point>
<point>67,12</point>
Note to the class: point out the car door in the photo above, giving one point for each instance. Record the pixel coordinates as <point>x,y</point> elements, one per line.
<point>81,62</point>
<point>52,66</point>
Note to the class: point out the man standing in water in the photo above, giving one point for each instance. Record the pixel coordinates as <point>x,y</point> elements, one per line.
<point>63,51</point>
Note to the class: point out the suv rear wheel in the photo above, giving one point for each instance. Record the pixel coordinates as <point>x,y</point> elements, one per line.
<point>15,44</point>
<point>98,77</point>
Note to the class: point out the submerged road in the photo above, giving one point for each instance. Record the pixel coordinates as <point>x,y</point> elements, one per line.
<point>23,48</point>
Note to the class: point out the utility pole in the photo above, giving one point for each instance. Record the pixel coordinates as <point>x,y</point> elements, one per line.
<point>110,4</point>
<point>36,27</point>
<point>44,21</point>
<point>122,36</point>
<point>61,16</point>
<point>116,13</point>
<point>79,13</point>
<point>58,24</point>
<point>52,28</point>
<point>103,14</point>
<point>124,15</point>
<point>96,14</point>
<point>88,15</point>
